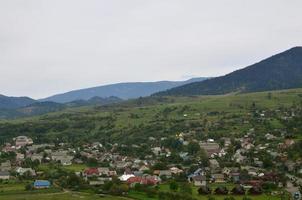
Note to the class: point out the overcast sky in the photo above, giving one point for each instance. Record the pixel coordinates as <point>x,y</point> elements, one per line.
<point>53,46</point>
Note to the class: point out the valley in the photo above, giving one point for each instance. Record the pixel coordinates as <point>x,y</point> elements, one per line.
<point>164,141</point>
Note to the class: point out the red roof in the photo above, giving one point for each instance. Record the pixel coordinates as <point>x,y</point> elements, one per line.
<point>91,171</point>
<point>142,180</point>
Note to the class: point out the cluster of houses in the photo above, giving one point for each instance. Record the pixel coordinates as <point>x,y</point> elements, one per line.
<point>140,171</point>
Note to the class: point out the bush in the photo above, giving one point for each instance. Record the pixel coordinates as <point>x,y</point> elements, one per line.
<point>186,188</point>
<point>238,190</point>
<point>119,189</point>
<point>29,187</point>
<point>173,186</point>
<point>174,196</point>
<point>255,190</point>
<point>229,198</point>
<point>221,191</point>
<point>204,190</point>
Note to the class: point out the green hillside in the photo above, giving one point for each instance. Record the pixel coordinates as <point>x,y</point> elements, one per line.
<point>281,71</point>
<point>154,116</point>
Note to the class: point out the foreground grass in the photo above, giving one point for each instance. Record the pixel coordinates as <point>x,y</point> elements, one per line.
<point>142,196</point>
<point>165,188</point>
<point>58,196</point>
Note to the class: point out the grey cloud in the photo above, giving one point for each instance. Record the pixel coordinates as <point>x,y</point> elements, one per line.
<point>48,47</point>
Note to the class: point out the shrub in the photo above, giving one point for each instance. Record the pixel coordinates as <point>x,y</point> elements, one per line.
<point>255,190</point>
<point>238,190</point>
<point>29,187</point>
<point>173,186</point>
<point>221,191</point>
<point>204,190</point>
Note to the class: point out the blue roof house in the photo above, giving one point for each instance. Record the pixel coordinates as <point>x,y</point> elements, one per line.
<point>40,184</point>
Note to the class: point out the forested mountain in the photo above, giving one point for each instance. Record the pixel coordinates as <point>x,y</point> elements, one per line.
<point>281,71</point>
<point>121,90</point>
<point>39,108</point>
<point>94,101</point>
<point>14,102</point>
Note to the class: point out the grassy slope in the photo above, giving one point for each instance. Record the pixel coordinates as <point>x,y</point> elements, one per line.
<point>165,188</point>
<point>136,117</point>
<point>59,196</point>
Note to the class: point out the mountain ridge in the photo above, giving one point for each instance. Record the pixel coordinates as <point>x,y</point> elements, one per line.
<point>280,71</point>
<point>128,90</point>
<point>8,102</point>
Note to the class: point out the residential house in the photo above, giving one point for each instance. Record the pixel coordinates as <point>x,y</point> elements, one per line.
<point>20,157</point>
<point>103,171</point>
<point>218,178</point>
<point>235,176</point>
<point>176,171</point>
<point>21,171</point>
<point>125,177</point>
<point>62,157</point>
<point>226,171</point>
<point>211,148</point>
<point>160,173</point>
<point>6,166</point>
<point>214,165</point>
<point>184,155</point>
<point>4,175</point>
<point>41,184</point>
<point>290,165</point>
<point>36,156</point>
<point>156,151</point>
<point>148,180</point>
<point>138,173</point>
<point>238,158</point>
<point>96,183</point>
<point>198,180</point>
<point>91,172</point>
<point>22,141</point>
<point>112,173</point>
<point>8,148</point>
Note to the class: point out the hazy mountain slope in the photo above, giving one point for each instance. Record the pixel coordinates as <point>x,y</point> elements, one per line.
<point>282,71</point>
<point>94,101</point>
<point>14,102</point>
<point>39,108</point>
<point>120,90</point>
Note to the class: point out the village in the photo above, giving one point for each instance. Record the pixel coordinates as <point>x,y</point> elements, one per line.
<point>243,164</point>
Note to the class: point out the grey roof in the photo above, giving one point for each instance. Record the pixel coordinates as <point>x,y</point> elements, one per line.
<point>4,173</point>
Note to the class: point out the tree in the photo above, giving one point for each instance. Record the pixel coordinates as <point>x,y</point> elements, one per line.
<point>203,157</point>
<point>205,190</point>
<point>255,190</point>
<point>221,190</point>
<point>29,187</point>
<point>186,188</point>
<point>73,180</point>
<point>193,148</point>
<point>173,186</point>
<point>92,162</point>
<point>119,189</point>
<point>238,190</point>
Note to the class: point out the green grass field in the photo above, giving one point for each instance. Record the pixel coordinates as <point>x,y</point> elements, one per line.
<point>165,188</point>
<point>58,196</point>
<point>73,167</point>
